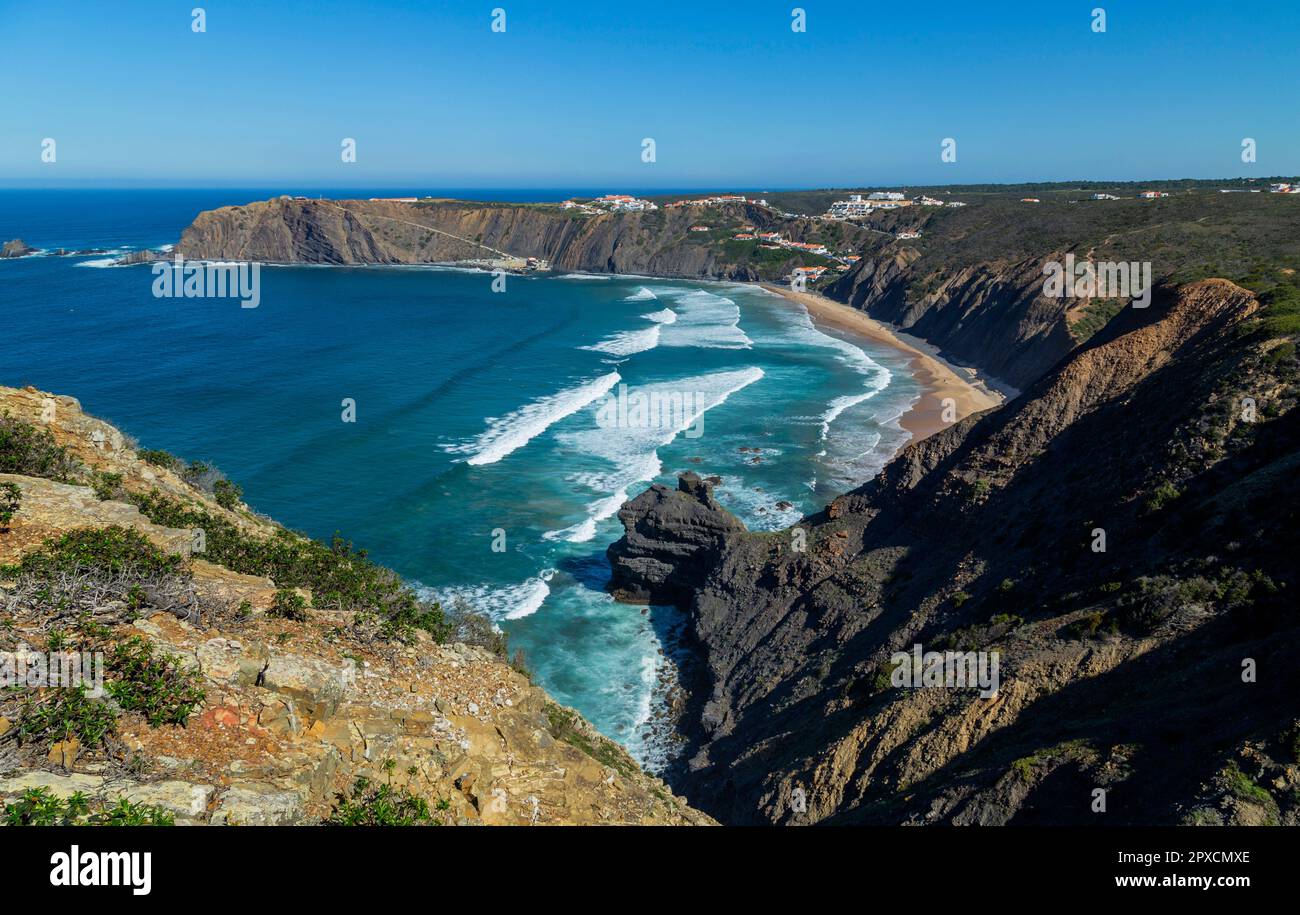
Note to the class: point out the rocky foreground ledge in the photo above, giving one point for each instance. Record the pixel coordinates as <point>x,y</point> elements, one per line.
<point>294,703</point>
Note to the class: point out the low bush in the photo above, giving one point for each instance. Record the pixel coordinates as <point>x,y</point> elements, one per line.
<point>338,576</point>
<point>381,805</point>
<point>159,458</point>
<point>64,714</point>
<point>106,485</point>
<point>108,549</point>
<point>227,494</point>
<point>1163,495</point>
<point>33,452</point>
<point>39,807</point>
<point>289,604</point>
<point>152,683</point>
<point>11,499</point>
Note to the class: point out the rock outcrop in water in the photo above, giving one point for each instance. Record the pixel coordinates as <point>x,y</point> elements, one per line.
<point>295,705</point>
<point>16,248</point>
<point>1119,535</point>
<point>672,537</point>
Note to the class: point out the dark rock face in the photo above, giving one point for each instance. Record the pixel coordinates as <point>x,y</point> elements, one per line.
<point>673,536</point>
<point>991,315</point>
<point>1119,669</point>
<point>16,248</point>
<point>386,232</point>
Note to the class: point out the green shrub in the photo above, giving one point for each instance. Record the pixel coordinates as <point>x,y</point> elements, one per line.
<point>1025,767</point>
<point>110,549</point>
<point>1280,316</point>
<point>152,683</point>
<point>11,498</point>
<point>38,807</point>
<point>1088,626</point>
<point>106,485</point>
<point>960,597</point>
<point>1164,495</point>
<point>289,604</point>
<point>65,713</point>
<point>1241,785</point>
<point>159,458</point>
<point>1096,315</point>
<point>1279,355</point>
<point>33,452</point>
<point>227,493</point>
<point>338,576</point>
<point>382,805</point>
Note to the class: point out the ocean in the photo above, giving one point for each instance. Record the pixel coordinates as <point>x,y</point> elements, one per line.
<point>495,434</point>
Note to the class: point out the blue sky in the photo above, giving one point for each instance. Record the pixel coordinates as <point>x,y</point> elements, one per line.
<point>731,95</point>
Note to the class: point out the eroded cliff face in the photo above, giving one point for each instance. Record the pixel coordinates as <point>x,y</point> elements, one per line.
<point>658,243</point>
<point>993,315</point>
<point>294,710</point>
<point>1121,669</point>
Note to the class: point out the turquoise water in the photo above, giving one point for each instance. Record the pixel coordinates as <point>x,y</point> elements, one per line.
<point>488,456</point>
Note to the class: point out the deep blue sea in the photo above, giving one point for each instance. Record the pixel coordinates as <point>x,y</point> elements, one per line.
<point>483,419</point>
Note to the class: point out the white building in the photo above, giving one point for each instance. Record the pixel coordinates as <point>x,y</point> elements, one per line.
<point>852,208</point>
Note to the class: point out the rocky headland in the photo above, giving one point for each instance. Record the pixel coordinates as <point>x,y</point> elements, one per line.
<point>242,697</point>
<point>1118,535</point>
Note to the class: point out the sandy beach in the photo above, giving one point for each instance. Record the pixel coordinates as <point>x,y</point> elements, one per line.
<point>939,380</point>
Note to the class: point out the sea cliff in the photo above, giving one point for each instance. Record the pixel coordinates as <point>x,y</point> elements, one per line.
<point>253,677</point>
<point>1117,535</point>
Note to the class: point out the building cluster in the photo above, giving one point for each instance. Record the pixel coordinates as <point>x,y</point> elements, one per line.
<point>772,240</point>
<point>858,206</point>
<point>616,203</point>
<point>717,200</point>
<point>1284,188</point>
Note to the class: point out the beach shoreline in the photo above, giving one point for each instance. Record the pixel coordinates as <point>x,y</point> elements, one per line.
<point>939,380</point>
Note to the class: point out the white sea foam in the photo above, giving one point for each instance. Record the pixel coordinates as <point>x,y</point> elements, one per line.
<point>442,268</point>
<point>627,342</point>
<point>877,378</point>
<point>633,470</point>
<point>584,276</point>
<point>704,319</point>
<point>641,295</point>
<point>98,262</point>
<point>510,602</point>
<point>519,427</point>
<point>663,316</point>
<point>756,507</point>
<point>632,452</point>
